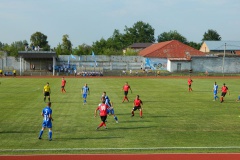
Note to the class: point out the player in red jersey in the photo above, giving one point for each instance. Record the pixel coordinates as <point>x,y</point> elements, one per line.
<point>137,105</point>
<point>63,85</point>
<point>224,92</point>
<point>125,88</point>
<point>190,84</point>
<point>102,108</point>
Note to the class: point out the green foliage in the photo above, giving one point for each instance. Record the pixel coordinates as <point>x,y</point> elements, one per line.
<point>211,35</point>
<point>140,33</point>
<point>111,51</point>
<point>130,52</point>
<point>1,45</point>
<point>171,35</point>
<point>99,46</point>
<point>39,39</point>
<point>65,48</point>
<point>172,117</point>
<point>58,50</point>
<point>194,45</point>
<point>82,50</point>
<point>13,49</point>
<point>66,45</point>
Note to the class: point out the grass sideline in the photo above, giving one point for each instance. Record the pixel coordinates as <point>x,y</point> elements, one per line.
<point>174,120</point>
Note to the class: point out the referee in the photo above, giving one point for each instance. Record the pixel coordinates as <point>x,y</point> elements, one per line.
<point>46,92</point>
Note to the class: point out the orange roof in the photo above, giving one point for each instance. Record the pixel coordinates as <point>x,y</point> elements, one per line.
<point>170,49</point>
<point>237,52</point>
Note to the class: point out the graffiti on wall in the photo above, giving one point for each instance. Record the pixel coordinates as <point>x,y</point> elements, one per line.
<point>156,64</point>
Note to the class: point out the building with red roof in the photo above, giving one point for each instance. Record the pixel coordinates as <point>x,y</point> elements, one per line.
<point>170,49</point>
<point>170,55</point>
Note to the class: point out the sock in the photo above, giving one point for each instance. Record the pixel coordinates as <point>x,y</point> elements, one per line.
<point>50,135</point>
<point>115,117</point>
<point>101,124</point>
<point>133,113</point>
<point>104,124</point>
<point>40,134</point>
<point>221,99</point>
<point>84,101</point>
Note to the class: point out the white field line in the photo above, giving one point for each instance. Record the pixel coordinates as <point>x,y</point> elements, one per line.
<point>105,149</point>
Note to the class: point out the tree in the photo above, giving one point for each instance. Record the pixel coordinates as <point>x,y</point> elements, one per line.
<point>1,45</point>
<point>39,39</point>
<point>82,50</point>
<point>99,46</point>
<point>171,35</point>
<point>211,35</point>
<point>140,33</point>
<point>116,41</point>
<point>194,45</point>
<point>13,49</point>
<point>66,45</point>
<point>130,52</point>
<point>58,49</point>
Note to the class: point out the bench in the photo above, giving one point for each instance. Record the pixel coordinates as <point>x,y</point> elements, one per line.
<point>8,73</point>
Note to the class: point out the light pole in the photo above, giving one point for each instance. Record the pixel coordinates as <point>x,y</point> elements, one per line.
<point>223,58</point>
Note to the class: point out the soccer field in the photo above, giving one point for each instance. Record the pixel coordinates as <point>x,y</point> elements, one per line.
<point>174,120</point>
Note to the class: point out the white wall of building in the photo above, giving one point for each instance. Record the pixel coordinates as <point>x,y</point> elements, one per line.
<point>174,66</point>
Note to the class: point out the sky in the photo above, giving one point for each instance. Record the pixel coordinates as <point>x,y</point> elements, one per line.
<point>87,21</point>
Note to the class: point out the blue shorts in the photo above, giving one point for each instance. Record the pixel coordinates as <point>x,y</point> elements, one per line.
<point>215,92</point>
<point>84,95</point>
<point>111,111</point>
<point>47,124</point>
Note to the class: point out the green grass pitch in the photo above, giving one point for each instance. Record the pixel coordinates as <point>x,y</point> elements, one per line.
<point>174,120</point>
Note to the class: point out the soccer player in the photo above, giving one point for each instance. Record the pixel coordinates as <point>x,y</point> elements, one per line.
<point>137,106</point>
<point>46,92</point>
<point>125,88</point>
<point>190,84</point>
<point>63,85</point>
<point>224,92</point>
<point>85,92</point>
<point>14,73</point>
<point>47,121</point>
<point>110,104</point>
<point>215,91</point>
<point>102,108</point>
